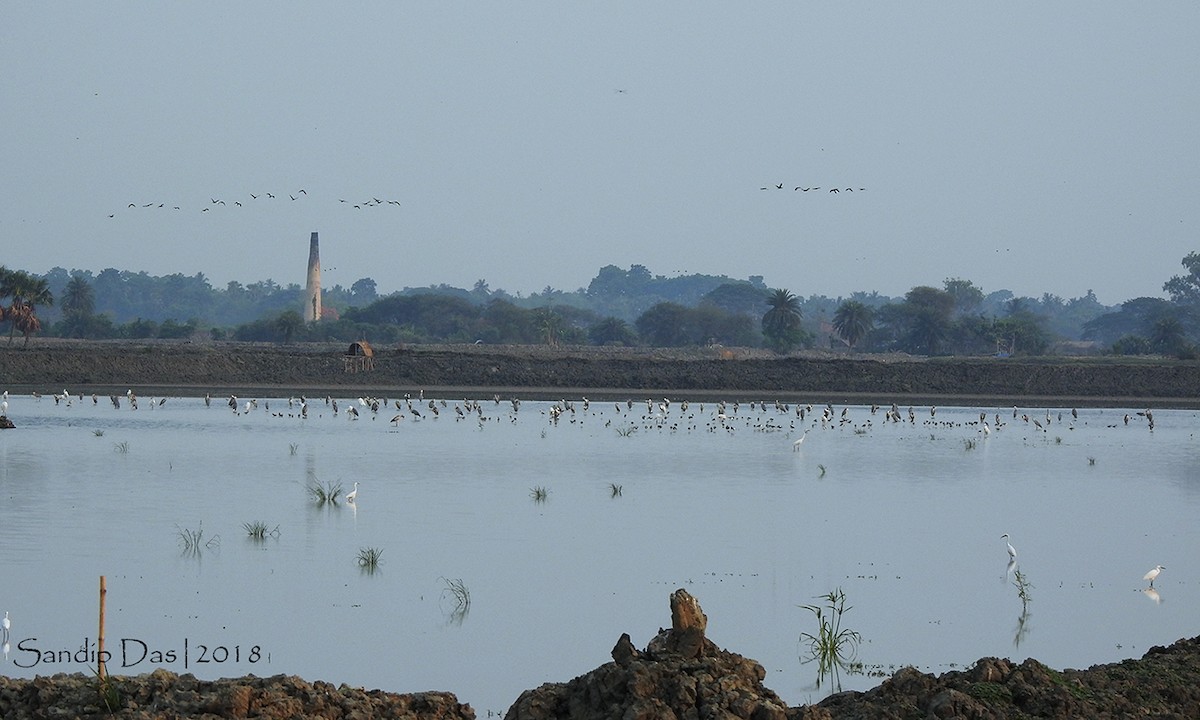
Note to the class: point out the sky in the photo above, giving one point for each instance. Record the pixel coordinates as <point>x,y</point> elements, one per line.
<point>1033,147</point>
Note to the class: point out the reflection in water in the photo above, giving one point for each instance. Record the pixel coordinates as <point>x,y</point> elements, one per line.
<point>1023,586</point>
<point>1153,595</point>
<point>1022,629</point>
<point>455,601</point>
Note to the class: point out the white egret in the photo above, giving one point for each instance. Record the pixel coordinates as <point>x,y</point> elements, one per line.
<point>1148,576</point>
<point>3,407</point>
<point>799,441</point>
<point>350,496</point>
<point>1012,553</point>
<point>6,623</point>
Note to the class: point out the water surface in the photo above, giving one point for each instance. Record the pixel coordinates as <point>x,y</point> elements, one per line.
<point>905,517</point>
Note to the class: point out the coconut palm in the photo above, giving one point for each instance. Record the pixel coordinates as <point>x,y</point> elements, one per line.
<point>781,323</point>
<point>853,320</point>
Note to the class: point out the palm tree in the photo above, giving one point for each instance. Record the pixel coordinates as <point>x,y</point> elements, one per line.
<point>23,319</point>
<point>781,323</point>
<point>1167,335</point>
<point>26,291</point>
<point>288,323</point>
<point>853,320</point>
<point>549,324</point>
<point>78,298</point>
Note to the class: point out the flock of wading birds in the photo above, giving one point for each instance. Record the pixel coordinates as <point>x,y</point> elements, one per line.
<point>661,414</point>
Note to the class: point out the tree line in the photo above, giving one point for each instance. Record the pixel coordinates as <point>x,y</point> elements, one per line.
<point>619,307</point>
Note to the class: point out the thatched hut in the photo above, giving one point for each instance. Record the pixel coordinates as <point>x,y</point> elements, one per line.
<point>360,357</point>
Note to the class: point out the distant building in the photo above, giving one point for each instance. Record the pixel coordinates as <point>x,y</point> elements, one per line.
<point>312,290</point>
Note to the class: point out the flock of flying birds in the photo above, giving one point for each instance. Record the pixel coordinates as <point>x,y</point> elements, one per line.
<point>219,204</point>
<point>801,188</point>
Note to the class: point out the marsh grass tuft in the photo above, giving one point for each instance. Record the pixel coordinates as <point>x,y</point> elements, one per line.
<point>969,443</point>
<point>369,559</point>
<point>539,494</point>
<point>1091,461</point>
<point>614,490</point>
<point>324,493</point>
<point>193,542</point>
<point>833,646</point>
<point>820,471</point>
<point>121,447</point>
<point>98,432</point>
<point>292,448</point>
<point>456,592</point>
<point>258,530</point>
<point>108,691</point>
<point>626,430</point>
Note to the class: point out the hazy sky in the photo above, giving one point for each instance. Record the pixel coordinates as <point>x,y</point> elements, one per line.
<point>1038,147</point>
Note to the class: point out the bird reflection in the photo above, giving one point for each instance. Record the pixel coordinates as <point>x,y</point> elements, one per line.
<point>1153,595</point>
<point>1008,570</point>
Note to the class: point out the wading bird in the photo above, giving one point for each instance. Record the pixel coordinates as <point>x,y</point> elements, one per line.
<point>353,494</point>
<point>799,441</point>
<point>1012,553</point>
<point>1148,576</point>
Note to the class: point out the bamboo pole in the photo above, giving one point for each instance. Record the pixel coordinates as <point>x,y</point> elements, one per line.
<point>101,671</point>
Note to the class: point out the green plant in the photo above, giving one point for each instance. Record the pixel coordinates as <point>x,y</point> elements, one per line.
<point>108,691</point>
<point>820,471</point>
<point>969,444</point>
<point>98,432</point>
<point>258,530</point>
<point>192,541</point>
<point>539,494</point>
<point>1023,586</point>
<point>614,489</point>
<point>626,430</point>
<point>369,559</point>
<point>324,493</point>
<point>1091,461</point>
<point>293,447</point>
<point>833,646</point>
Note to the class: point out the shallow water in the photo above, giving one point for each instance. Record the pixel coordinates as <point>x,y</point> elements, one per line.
<point>905,517</point>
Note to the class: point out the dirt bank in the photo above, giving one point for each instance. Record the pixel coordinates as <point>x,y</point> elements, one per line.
<point>195,368</point>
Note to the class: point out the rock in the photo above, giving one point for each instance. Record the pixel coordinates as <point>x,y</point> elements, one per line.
<point>681,674</point>
<point>624,652</point>
<point>163,694</point>
<point>5,423</point>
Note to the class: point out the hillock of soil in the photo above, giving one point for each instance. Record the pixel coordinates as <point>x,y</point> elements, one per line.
<point>680,674</point>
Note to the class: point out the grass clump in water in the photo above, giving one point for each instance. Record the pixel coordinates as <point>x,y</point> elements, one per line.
<point>193,542</point>
<point>324,493</point>
<point>833,647</point>
<point>258,530</point>
<point>369,559</point>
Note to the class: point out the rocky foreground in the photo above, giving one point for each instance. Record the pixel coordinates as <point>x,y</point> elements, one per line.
<point>679,674</point>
